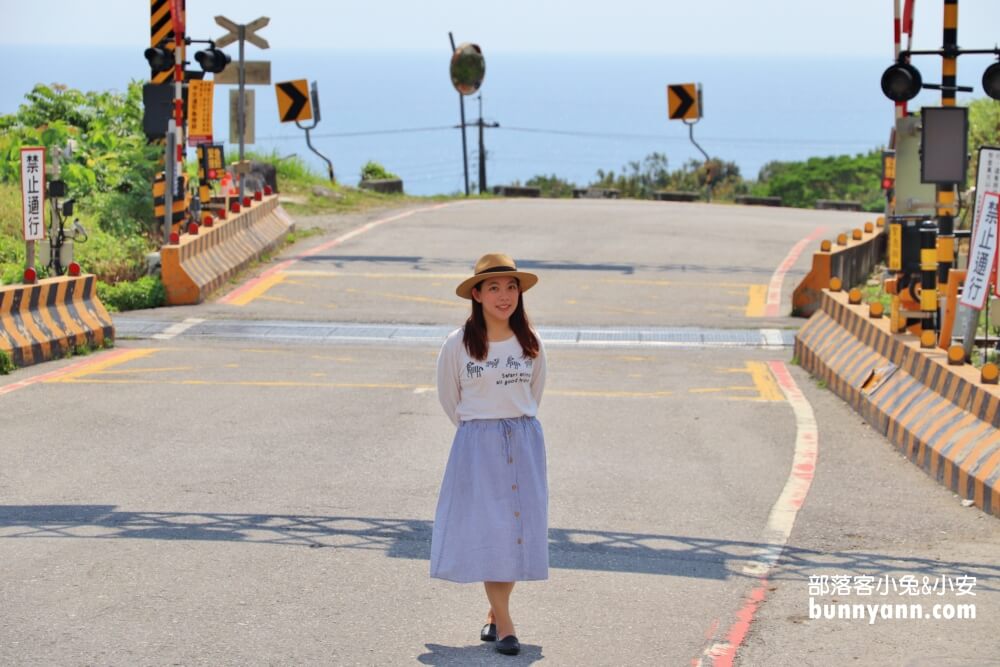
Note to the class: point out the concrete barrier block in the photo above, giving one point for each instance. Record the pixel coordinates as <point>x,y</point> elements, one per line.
<point>198,265</point>
<point>52,317</point>
<point>940,416</point>
<point>852,262</point>
<point>516,191</point>
<point>383,185</point>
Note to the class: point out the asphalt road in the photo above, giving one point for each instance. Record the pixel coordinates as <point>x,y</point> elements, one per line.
<point>213,495</point>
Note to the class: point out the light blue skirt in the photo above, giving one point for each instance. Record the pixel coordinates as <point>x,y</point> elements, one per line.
<point>491,522</point>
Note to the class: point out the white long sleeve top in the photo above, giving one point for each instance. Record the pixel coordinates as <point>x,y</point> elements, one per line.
<point>504,385</point>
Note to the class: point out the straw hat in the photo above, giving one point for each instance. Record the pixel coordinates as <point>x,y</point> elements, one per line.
<point>495,265</point>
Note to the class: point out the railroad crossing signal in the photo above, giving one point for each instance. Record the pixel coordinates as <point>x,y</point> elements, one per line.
<point>684,101</point>
<point>248,32</point>
<point>293,100</point>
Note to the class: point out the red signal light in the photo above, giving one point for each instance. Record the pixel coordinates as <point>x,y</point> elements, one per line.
<point>30,276</point>
<point>74,269</point>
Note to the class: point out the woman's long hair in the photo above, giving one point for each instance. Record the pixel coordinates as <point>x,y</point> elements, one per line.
<point>475,338</point>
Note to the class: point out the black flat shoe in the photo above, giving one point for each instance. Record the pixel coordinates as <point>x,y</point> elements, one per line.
<point>488,633</point>
<point>508,645</point>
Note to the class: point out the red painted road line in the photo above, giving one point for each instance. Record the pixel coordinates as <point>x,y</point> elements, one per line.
<point>72,368</point>
<point>779,521</point>
<point>773,305</point>
<point>245,287</point>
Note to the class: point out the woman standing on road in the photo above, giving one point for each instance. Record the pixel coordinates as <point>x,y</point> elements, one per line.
<point>491,523</point>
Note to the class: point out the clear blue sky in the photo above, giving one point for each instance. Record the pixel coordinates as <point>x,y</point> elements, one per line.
<point>699,27</point>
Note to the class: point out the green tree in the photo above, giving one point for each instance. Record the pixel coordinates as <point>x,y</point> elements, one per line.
<point>984,130</point>
<point>112,167</point>
<point>841,177</point>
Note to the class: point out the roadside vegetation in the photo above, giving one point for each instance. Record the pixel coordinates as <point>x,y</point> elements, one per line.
<point>798,183</point>
<point>109,176</point>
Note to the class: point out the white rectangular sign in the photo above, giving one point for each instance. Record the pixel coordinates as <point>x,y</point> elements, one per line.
<point>987,175</point>
<point>33,192</point>
<point>982,254</point>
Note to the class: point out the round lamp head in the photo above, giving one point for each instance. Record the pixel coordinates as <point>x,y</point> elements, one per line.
<point>901,82</point>
<point>160,59</point>
<point>212,60</point>
<point>991,80</point>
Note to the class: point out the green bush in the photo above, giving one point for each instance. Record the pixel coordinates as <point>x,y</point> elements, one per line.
<point>374,171</point>
<point>290,168</point>
<point>6,363</point>
<point>146,292</point>
<point>551,186</point>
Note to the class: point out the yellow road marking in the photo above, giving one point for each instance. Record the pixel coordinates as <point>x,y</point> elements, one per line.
<point>126,371</point>
<point>252,383</point>
<point>99,366</point>
<point>756,301</point>
<point>628,311</point>
<point>764,381</point>
<point>281,299</point>
<point>376,276</point>
<point>421,299</point>
<point>259,289</point>
<point>611,394</point>
<point>715,390</point>
<point>672,283</point>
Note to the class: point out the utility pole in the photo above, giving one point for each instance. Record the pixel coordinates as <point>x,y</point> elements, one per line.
<point>482,146</point>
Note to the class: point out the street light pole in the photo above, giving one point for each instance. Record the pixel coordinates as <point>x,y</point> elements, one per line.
<point>461,111</point>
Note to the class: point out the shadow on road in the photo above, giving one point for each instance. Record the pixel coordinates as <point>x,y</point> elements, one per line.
<point>574,549</point>
<point>484,654</point>
<point>419,264</point>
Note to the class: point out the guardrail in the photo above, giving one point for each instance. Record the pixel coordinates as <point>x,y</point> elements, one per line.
<point>51,318</point>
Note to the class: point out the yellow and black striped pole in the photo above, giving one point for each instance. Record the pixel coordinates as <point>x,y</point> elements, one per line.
<point>946,191</point>
<point>161,31</point>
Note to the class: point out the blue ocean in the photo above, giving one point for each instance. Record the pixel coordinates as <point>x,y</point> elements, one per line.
<point>563,114</point>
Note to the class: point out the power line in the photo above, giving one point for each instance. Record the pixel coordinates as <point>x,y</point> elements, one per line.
<point>660,137</point>
<point>364,133</point>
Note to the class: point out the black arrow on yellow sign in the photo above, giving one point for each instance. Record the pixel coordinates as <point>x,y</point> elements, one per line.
<point>682,101</point>
<point>293,100</point>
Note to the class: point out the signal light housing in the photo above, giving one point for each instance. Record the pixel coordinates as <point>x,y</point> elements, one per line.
<point>991,80</point>
<point>160,59</point>
<point>901,82</point>
<point>212,60</point>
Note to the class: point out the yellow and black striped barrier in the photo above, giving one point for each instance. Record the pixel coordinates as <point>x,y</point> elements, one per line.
<point>180,205</point>
<point>51,318</point>
<point>944,417</point>
<point>201,263</point>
